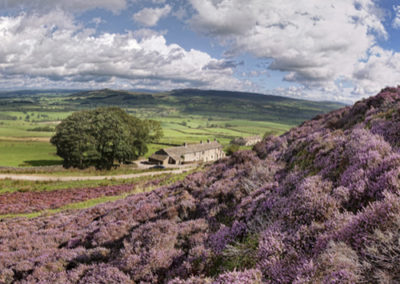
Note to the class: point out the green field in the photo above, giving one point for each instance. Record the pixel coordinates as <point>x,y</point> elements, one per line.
<point>18,148</point>
<point>27,119</point>
<point>27,153</point>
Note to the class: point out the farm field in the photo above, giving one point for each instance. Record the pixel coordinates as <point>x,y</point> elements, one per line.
<point>28,120</point>
<point>20,147</point>
<point>27,154</point>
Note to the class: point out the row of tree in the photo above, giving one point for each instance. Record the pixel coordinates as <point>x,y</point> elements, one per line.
<point>102,136</point>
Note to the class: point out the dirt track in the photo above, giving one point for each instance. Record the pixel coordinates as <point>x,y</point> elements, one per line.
<point>79,178</point>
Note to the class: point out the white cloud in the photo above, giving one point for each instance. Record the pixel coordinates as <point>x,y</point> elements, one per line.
<point>150,16</point>
<point>70,5</point>
<point>381,70</point>
<point>396,20</point>
<point>97,21</point>
<point>338,93</point>
<point>53,49</point>
<point>181,13</point>
<point>315,43</point>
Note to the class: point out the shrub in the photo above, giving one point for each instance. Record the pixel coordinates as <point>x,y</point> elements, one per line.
<point>232,148</point>
<point>101,136</point>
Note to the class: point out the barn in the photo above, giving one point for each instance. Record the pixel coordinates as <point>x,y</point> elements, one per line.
<point>189,153</point>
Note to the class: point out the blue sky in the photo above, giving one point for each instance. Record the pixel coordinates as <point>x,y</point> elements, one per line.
<point>339,50</point>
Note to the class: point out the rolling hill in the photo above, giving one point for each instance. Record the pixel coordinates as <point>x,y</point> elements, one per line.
<point>319,204</point>
<point>224,104</point>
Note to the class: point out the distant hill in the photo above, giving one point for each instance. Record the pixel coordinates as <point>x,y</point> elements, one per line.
<point>184,102</point>
<point>225,104</point>
<point>27,93</point>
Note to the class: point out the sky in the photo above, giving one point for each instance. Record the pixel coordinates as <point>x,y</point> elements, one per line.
<point>336,50</point>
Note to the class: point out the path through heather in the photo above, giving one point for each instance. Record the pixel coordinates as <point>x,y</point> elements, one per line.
<point>82,178</point>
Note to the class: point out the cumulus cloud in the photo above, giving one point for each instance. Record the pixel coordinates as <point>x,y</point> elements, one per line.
<point>55,49</point>
<point>70,5</point>
<point>339,93</point>
<point>97,21</point>
<point>221,64</point>
<point>150,16</point>
<point>315,43</point>
<point>381,69</point>
<point>181,13</point>
<point>396,20</point>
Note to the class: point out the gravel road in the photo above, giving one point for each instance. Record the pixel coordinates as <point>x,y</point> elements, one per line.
<point>79,178</point>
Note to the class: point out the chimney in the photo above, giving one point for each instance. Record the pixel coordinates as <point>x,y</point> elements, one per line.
<point>208,141</point>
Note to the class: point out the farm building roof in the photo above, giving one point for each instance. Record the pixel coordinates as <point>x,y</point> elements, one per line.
<point>159,157</point>
<point>177,152</point>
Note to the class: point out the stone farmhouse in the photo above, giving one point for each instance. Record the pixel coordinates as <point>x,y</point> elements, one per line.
<point>247,141</point>
<point>202,152</point>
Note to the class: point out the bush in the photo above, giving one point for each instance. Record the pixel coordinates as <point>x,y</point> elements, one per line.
<point>231,149</point>
<point>43,129</point>
<point>101,136</point>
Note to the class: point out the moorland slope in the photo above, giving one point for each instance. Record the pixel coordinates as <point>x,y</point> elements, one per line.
<point>319,204</point>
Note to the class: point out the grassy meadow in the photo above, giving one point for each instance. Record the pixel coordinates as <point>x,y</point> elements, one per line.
<point>19,146</point>
<point>28,120</point>
<point>27,154</point>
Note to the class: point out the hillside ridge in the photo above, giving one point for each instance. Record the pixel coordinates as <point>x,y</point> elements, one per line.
<point>211,103</point>
<point>319,204</point>
<point>185,102</point>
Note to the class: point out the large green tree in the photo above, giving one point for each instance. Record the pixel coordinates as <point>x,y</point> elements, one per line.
<point>102,136</point>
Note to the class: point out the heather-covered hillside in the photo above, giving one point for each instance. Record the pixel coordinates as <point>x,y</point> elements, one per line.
<point>319,204</point>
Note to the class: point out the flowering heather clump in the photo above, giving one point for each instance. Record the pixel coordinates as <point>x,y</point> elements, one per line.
<point>338,264</point>
<point>104,274</point>
<point>247,276</point>
<point>320,204</point>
